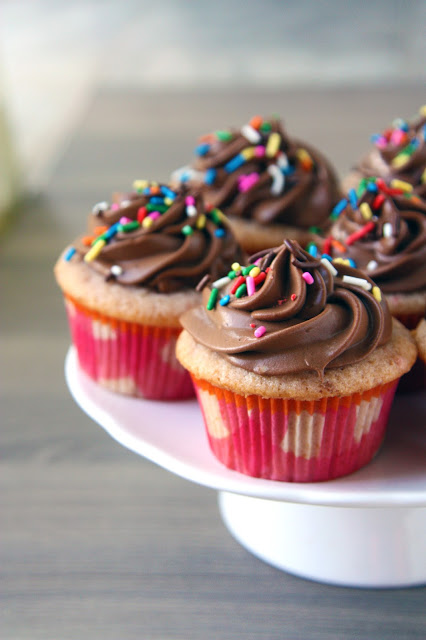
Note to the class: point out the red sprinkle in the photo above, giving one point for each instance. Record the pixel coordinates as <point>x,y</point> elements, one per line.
<point>252,325</point>
<point>142,213</point>
<point>361,233</point>
<point>237,283</point>
<point>378,201</point>
<point>293,296</point>
<point>327,245</point>
<point>259,278</point>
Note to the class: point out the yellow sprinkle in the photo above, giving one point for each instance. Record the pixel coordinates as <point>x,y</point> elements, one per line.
<point>377,293</point>
<point>201,221</point>
<point>236,266</point>
<point>304,158</point>
<point>342,261</point>
<point>366,212</point>
<point>140,184</point>
<point>147,222</point>
<point>248,153</point>
<point>168,201</point>
<point>422,111</point>
<point>400,160</point>
<point>273,144</point>
<point>400,184</point>
<point>423,178</point>
<point>254,272</point>
<point>94,251</point>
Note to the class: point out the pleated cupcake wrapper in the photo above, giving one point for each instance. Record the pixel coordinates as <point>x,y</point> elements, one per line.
<point>291,440</point>
<point>128,357</point>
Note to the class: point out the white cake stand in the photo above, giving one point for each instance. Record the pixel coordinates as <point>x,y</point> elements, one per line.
<point>365,530</point>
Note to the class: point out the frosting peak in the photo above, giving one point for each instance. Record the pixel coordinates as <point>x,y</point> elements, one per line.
<point>260,173</point>
<point>158,238</point>
<point>288,312</point>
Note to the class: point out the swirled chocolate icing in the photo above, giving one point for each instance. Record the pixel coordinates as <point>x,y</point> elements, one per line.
<point>383,237</point>
<point>400,153</point>
<point>260,173</point>
<point>157,238</point>
<point>304,314</point>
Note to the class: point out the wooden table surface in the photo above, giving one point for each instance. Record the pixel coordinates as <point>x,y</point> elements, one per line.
<point>95,541</point>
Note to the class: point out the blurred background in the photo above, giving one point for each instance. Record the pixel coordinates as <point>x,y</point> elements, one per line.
<point>97,542</point>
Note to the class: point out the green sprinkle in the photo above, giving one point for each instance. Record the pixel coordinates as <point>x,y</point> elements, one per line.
<point>361,187</point>
<point>129,226</point>
<point>316,230</point>
<point>246,270</point>
<point>232,274</point>
<point>187,230</point>
<point>241,291</point>
<point>215,215</point>
<point>265,127</point>
<point>212,299</point>
<point>224,136</point>
<point>162,208</point>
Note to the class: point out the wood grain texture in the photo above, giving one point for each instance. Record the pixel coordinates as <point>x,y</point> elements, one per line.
<point>96,542</point>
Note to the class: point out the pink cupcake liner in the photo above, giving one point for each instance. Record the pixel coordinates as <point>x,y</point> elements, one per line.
<point>294,440</point>
<point>127,357</point>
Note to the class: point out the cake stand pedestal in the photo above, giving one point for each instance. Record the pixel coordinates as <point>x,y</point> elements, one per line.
<point>364,530</point>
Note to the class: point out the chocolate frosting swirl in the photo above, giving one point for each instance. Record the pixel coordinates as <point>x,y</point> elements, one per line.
<point>302,322</point>
<point>260,173</point>
<point>158,238</point>
<point>399,153</point>
<point>383,239</point>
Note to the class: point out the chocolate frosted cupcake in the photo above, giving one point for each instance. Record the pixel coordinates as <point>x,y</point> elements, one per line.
<point>382,232</point>
<point>127,281</point>
<point>270,185</point>
<point>398,155</point>
<point>295,361</point>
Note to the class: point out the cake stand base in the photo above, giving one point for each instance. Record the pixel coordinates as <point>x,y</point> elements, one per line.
<point>348,546</point>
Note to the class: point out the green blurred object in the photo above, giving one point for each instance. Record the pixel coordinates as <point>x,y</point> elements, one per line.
<point>9,173</point>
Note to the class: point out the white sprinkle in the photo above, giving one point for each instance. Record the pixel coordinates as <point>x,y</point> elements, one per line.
<point>99,207</point>
<point>116,270</point>
<point>327,264</point>
<point>359,282</point>
<point>282,161</point>
<point>278,179</point>
<point>372,265</point>
<point>124,203</point>
<point>191,211</point>
<point>221,282</point>
<point>387,230</point>
<point>251,134</point>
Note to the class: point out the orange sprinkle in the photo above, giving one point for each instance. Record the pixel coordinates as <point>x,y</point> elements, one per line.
<point>155,189</point>
<point>256,121</point>
<point>100,230</point>
<point>338,245</point>
<point>87,240</point>
<point>207,137</point>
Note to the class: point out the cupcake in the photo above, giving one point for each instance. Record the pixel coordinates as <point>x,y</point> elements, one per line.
<point>382,231</point>
<point>270,185</point>
<point>398,155</point>
<point>127,281</point>
<point>295,361</point>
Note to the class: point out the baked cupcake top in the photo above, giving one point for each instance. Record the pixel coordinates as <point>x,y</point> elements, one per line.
<point>400,153</point>
<point>260,173</point>
<point>382,231</point>
<point>156,237</point>
<point>288,312</point>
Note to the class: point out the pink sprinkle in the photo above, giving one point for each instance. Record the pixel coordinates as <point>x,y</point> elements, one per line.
<point>307,277</point>
<point>189,200</point>
<point>125,220</point>
<point>259,151</point>
<point>260,331</point>
<point>381,142</point>
<point>251,287</point>
<point>114,206</point>
<point>397,137</point>
<point>154,215</point>
<point>246,182</point>
<point>258,261</point>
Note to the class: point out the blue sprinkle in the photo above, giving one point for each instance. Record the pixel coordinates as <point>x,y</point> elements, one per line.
<point>415,143</point>
<point>352,263</point>
<point>168,192</point>
<point>210,176</point>
<point>375,137</point>
<point>220,233</point>
<point>327,257</point>
<point>202,149</point>
<point>224,301</point>
<point>372,187</point>
<point>313,250</point>
<point>287,171</point>
<point>146,191</point>
<point>112,231</point>
<point>157,200</point>
<point>353,198</point>
<point>339,208</point>
<point>69,254</point>
<point>234,163</point>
